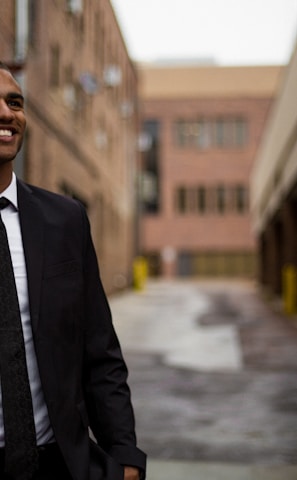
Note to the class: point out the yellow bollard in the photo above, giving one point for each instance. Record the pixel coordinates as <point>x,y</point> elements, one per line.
<point>290,289</point>
<point>139,273</point>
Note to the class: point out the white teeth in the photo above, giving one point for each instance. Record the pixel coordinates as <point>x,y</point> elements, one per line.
<point>5,133</point>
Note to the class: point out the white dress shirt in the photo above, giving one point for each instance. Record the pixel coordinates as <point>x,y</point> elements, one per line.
<point>10,217</point>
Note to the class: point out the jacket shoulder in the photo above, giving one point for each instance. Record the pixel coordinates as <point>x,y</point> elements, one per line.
<point>48,198</point>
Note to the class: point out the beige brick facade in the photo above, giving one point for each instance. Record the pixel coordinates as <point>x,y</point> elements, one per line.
<point>7,31</point>
<point>209,121</point>
<point>81,96</point>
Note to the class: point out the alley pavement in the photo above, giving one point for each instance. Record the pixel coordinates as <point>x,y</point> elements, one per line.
<point>212,369</point>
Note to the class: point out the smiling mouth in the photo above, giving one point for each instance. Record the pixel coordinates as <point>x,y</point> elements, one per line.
<point>5,133</point>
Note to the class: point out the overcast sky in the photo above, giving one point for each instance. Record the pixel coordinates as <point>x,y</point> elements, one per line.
<point>230,32</point>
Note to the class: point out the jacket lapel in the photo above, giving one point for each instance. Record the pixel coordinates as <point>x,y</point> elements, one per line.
<point>32,228</point>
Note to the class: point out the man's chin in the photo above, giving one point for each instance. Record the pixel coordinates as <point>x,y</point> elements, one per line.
<point>7,158</point>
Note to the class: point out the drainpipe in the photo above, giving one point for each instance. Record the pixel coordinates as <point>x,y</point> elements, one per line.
<point>20,56</point>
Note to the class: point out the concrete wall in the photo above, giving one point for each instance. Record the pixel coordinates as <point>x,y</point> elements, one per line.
<point>274,190</point>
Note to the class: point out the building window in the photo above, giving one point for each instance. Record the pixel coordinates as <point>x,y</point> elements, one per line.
<point>217,200</point>
<point>241,199</point>
<point>181,199</point>
<point>74,6</point>
<point>222,132</point>
<point>150,161</point>
<point>221,199</point>
<point>240,132</point>
<point>219,134</point>
<point>203,134</point>
<point>32,23</point>
<point>180,133</point>
<point>68,74</point>
<point>55,66</point>
<point>201,199</point>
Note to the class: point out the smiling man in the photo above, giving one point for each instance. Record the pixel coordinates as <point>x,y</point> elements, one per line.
<point>72,361</point>
<point>12,123</point>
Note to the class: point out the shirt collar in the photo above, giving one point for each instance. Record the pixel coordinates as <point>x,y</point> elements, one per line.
<point>11,192</point>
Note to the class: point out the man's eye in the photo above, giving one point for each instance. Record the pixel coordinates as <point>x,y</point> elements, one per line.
<point>15,104</point>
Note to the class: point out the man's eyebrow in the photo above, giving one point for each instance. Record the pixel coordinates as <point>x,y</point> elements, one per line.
<point>15,95</point>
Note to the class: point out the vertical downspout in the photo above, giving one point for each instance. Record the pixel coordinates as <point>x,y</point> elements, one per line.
<point>20,58</point>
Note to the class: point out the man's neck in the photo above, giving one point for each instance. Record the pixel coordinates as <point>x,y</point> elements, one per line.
<point>5,175</point>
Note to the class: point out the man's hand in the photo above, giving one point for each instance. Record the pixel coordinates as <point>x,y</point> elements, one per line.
<point>131,473</point>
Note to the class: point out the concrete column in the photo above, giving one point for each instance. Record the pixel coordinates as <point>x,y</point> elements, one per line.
<point>168,258</point>
<point>289,218</point>
<point>263,260</point>
<point>274,258</point>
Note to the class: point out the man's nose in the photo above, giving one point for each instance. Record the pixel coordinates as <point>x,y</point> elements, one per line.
<point>5,112</point>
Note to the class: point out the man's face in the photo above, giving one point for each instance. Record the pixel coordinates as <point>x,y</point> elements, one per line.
<point>12,117</point>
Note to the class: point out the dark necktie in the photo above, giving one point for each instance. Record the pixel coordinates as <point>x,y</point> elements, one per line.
<point>21,456</point>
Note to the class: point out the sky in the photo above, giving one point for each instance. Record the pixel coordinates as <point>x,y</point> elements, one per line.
<point>227,32</point>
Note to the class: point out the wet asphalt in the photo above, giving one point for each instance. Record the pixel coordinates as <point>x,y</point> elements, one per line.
<point>212,370</point>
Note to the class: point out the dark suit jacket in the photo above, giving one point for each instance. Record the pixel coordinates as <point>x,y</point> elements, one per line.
<point>80,362</point>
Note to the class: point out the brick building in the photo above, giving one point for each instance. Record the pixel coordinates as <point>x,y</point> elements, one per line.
<point>81,100</point>
<point>201,127</point>
<point>274,194</point>
<point>7,32</point>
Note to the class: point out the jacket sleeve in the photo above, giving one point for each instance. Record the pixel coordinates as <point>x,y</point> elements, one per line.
<point>105,373</point>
